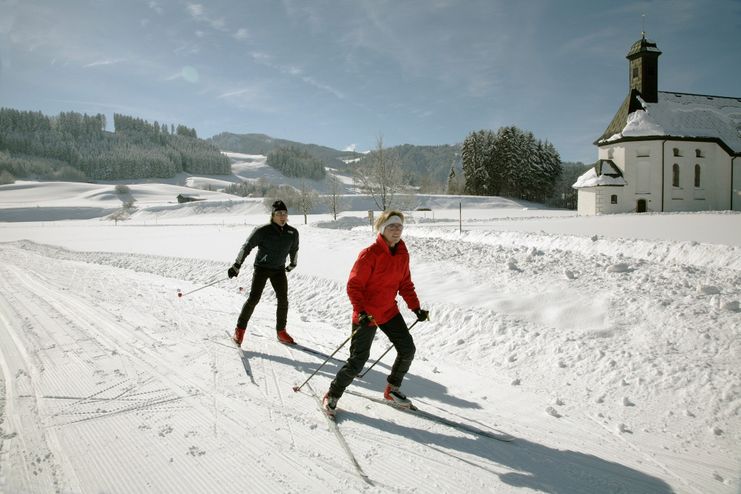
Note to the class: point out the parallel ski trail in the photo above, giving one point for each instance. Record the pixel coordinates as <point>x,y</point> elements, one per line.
<point>334,427</point>
<point>110,346</point>
<point>148,432</point>
<point>366,433</point>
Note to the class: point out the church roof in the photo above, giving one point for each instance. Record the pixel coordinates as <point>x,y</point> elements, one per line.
<point>603,174</point>
<point>642,45</point>
<point>678,115</point>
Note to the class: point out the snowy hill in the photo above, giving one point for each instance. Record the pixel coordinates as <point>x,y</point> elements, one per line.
<point>608,347</point>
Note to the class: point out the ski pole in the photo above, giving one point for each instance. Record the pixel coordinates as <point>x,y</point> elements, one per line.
<point>384,353</point>
<point>298,388</point>
<point>181,294</point>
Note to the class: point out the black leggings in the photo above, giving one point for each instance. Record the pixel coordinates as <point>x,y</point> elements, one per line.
<point>278,279</point>
<point>360,345</point>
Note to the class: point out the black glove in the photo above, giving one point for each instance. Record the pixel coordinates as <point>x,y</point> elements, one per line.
<point>290,267</point>
<point>365,319</point>
<point>233,271</point>
<point>422,315</point>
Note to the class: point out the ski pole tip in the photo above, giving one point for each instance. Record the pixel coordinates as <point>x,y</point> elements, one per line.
<point>295,389</point>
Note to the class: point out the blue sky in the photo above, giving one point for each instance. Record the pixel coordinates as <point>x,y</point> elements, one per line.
<point>342,73</point>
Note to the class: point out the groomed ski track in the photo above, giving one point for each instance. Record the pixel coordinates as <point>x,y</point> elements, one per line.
<point>112,383</point>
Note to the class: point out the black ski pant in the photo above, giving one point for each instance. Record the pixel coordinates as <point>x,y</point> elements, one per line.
<point>260,277</point>
<point>360,345</point>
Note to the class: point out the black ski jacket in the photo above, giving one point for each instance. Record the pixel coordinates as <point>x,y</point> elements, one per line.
<point>274,243</point>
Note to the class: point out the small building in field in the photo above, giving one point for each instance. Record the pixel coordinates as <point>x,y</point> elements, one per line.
<point>183,198</point>
<point>665,151</point>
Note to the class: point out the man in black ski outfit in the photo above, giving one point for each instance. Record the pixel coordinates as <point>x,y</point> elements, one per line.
<point>275,242</point>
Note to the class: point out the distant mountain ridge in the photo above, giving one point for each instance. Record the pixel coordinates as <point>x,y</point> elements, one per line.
<point>419,163</point>
<point>264,144</point>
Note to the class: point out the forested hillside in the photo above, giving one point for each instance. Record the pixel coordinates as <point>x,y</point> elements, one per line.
<point>425,166</point>
<point>74,146</point>
<point>421,165</point>
<point>77,147</point>
<point>263,144</point>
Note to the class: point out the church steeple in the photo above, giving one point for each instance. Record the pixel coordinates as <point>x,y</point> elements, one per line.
<point>643,69</point>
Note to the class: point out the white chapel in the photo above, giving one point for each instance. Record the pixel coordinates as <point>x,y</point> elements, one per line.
<point>664,151</point>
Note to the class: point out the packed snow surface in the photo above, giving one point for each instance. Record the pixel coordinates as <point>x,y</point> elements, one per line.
<point>608,347</point>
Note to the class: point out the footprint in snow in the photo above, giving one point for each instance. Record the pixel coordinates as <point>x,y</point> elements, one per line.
<point>619,267</point>
<point>622,428</point>
<point>708,289</point>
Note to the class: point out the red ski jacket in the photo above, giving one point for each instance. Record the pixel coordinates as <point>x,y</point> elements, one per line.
<point>377,277</point>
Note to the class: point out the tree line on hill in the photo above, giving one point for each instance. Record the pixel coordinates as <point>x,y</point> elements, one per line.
<point>425,167</point>
<point>264,145</point>
<point>74,146</point>
<point>294,162</point>
<point>509,162</point>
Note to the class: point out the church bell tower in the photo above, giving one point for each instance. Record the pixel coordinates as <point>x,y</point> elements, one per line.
<point>643,69</point>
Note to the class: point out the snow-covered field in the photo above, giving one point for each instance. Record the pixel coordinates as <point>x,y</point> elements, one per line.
<point>609,347</point>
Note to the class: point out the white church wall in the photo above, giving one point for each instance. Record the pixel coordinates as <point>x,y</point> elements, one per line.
<point>686,157</point>
<point>586,202</point>
<point>642,171</point>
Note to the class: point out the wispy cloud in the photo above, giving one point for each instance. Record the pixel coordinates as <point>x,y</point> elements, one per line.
<point>251,97</point>
<point>239,92</point>
<point>241,33</point>
<point>295,72</point>
<point>600,42</point>
<point>104,105</point>
<point>104,62</point>
<point>187,73</point>
<point>198,12</point>
<point>195,9</point>
<point>323,87</point>
<point>156,7</point>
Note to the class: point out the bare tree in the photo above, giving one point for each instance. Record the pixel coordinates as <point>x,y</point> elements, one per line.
<point>306,199</point>
<point>333,199</point>
<point>381,177</point>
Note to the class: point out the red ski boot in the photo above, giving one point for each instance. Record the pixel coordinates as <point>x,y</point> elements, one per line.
<point>238,335</point>
<point>285,338</point>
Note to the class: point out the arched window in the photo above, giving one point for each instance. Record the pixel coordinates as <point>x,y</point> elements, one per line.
<point>676,152</point>
<point>613,199</point>
<point>698,153</point>
<point>697,175</point>
<point>675,175</point>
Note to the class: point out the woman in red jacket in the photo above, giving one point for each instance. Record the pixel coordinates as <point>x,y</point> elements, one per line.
<point>378,275</point>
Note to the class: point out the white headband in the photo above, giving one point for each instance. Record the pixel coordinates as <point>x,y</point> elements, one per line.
<point>391,221</point>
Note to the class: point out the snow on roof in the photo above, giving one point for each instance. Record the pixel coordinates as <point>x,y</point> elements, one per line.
<point>687,115</point>
<point>592,179</point>
<point>640,123</point>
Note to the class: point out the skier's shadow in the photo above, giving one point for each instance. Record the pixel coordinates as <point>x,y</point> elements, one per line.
<point>531,465</point>
<point>375,380</point>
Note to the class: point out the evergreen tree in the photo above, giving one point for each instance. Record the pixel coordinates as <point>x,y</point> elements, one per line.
<point>511,163</point>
